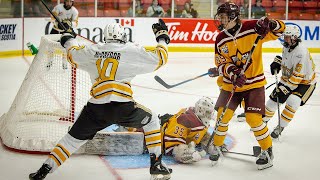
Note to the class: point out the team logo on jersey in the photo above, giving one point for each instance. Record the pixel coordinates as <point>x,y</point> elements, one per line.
<point>240,58</point>
<point>225,49</point>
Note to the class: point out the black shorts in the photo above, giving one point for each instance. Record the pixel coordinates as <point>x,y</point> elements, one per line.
<point>53,31</point>
<point>302,91</point>
<point>95,117</point>
<point>254,100</point>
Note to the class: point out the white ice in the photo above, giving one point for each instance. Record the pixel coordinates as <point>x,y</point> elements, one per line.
<point>296,154</point>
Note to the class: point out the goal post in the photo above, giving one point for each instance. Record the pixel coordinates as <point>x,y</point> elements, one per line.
<point>48,101</point>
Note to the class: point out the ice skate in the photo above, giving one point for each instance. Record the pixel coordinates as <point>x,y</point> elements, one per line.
<point>264,160</point>
<point>158,170</point>
<point>276,132</point>
<point>41,173</point>
<point>241,117</point>
<point>215,153</point>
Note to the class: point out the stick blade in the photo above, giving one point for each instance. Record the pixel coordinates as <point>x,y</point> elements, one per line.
<point>160,81</point>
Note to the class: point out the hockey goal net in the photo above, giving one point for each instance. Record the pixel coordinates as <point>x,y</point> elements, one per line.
<point>48,101</point>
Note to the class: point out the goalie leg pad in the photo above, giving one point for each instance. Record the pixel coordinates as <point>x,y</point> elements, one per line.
<point>115,143</point>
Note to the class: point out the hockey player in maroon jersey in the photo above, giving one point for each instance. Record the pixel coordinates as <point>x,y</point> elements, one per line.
<point>232,48</point>
<point>187,128</point>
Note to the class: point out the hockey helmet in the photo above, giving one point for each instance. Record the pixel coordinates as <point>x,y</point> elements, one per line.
<point>115,32</point>
<point>291,35</point>
<point>204,109</point>
<point>231,10</point>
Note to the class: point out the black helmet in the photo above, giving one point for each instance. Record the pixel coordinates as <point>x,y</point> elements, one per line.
<point>230,8</point>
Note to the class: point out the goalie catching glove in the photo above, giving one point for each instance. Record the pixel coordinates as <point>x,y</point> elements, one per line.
<point>160,30</point>
<point>187,154</point>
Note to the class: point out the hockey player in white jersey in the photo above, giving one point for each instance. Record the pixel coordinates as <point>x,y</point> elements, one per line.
<point>111,67</point>
<point>67,14</point>
<point>297,81</point>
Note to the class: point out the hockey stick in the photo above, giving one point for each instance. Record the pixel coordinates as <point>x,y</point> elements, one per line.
<point>278,104</point>
<point>256,152</point>
<point>270,85</point>
<point>161,81</point>
<point>55,17</point>
<point>232,93</point>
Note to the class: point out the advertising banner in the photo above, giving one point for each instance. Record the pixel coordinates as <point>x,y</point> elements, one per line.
<point>10,34</point>
<point>183,32</point>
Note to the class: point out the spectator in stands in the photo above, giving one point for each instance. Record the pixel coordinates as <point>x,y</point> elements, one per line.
<point>138,9</point>
<point>38,9</point>
<point>155,10</point>
<point>177,13</point>
<point>244,9</point>
<point>16,8</point>
<point>188,11</point>
<point>258,10</point>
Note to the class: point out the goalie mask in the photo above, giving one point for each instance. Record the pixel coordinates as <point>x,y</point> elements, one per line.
<point>115,33</point>
<point>68,4</point>
<point>291,36</point>
<point>226,13</point>
<point>204,109</point>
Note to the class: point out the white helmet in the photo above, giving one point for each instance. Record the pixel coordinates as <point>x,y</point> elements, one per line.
<point>293,31</point>
<point>204,109</point>
<point>115,32</point>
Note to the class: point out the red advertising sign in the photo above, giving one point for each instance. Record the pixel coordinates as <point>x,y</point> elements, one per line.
<point>198,31</point>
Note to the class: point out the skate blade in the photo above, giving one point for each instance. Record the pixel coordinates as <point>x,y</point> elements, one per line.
<point>160,176</point>
<point>265,166</point>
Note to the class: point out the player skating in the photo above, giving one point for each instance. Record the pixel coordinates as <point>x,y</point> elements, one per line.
<point>232,53</point>
<point>298,79</point>
<point>111,67</point>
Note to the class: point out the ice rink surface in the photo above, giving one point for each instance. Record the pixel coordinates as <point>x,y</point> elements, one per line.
<point>296,154</point>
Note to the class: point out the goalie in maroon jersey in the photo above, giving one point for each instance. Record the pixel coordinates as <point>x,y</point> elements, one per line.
<point>232,49</point>
<point>187,128</point>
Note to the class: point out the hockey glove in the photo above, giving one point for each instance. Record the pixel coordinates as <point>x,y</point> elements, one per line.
<point>160,30</point>
<point>262,26</point>
<point>275,66</point>
<point>237,78</point>
<point>214,72</point>
<point>65,37</point>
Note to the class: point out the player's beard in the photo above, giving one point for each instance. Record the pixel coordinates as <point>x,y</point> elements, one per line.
<point>67,7</point>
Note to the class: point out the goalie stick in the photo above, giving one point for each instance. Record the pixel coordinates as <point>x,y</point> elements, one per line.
<point>232,92</point>
<point>161,81</point>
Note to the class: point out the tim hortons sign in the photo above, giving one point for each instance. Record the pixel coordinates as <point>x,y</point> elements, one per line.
<point>198,31</point>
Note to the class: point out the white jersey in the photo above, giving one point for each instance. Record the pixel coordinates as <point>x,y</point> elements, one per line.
<point>113,65</point>
<point>63,14</point>
<point>297,67</point>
